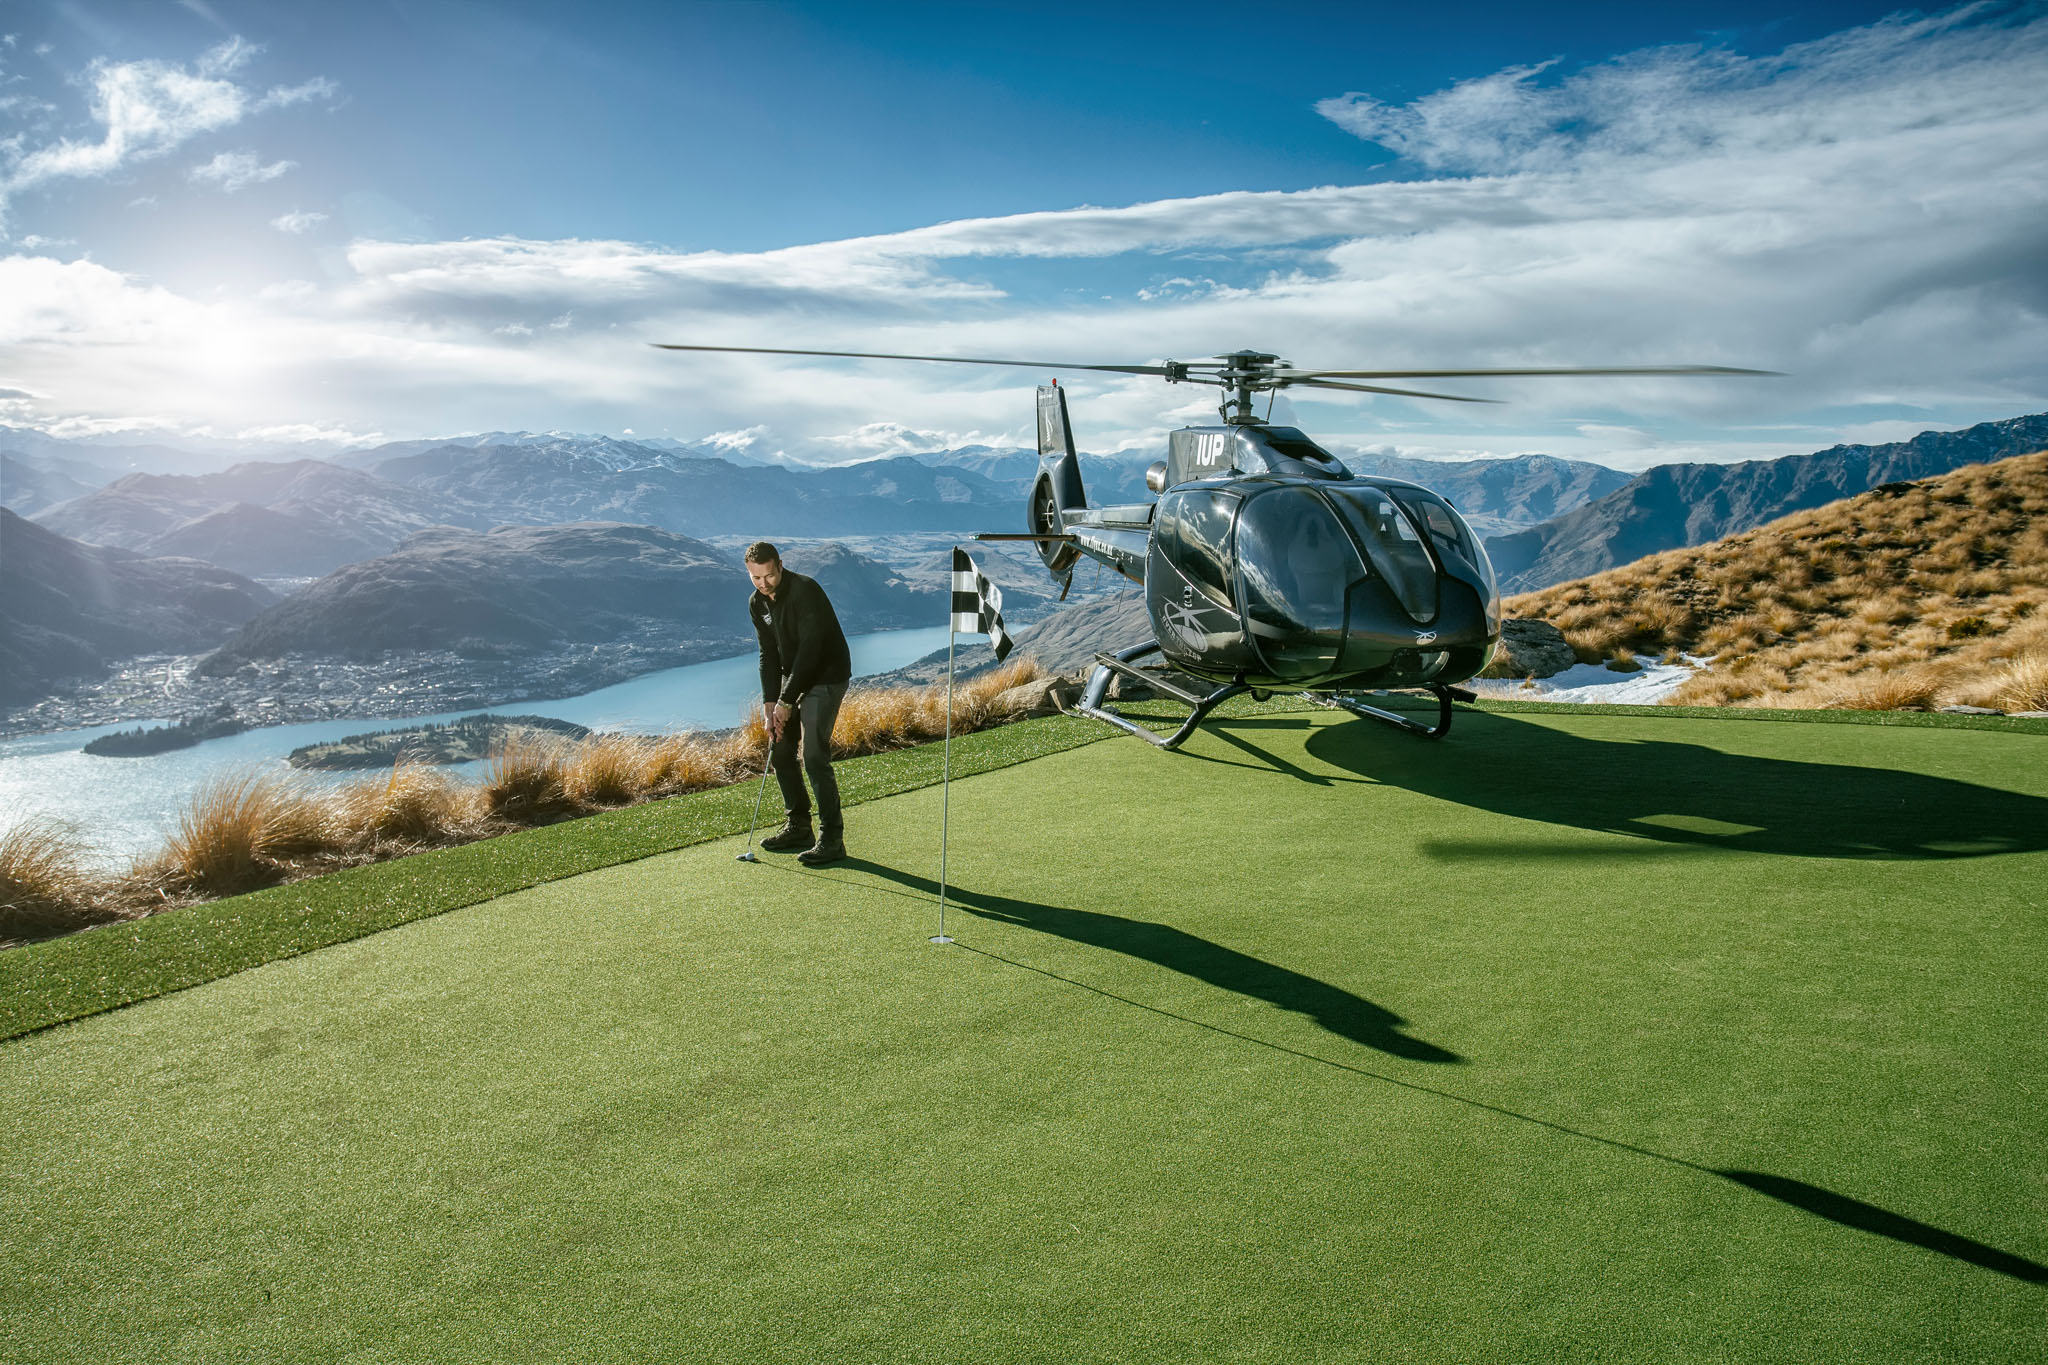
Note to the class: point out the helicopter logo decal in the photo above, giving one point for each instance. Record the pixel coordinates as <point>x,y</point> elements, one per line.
<point>1184,620</point>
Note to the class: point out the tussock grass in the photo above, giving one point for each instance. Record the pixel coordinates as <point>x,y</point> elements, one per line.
<point>1912,596</point>
<point>44,890</point>
<point>250,830</point>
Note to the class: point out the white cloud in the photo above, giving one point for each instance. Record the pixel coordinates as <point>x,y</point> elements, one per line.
<point>235,170</point>
<point>147,109</point>
<point>1862,212</point>
<point>297,221</point>
<point>284,96</point>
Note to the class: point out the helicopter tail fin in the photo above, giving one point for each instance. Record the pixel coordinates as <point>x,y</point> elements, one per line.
<point>1057,489</point>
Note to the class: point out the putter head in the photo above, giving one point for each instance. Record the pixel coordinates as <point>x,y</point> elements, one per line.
<point>747,857</point>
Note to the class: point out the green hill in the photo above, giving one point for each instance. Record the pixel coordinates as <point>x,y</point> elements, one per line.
<point>1574,1036</point>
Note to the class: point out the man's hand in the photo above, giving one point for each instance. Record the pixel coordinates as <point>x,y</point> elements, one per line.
<point>778,715</point>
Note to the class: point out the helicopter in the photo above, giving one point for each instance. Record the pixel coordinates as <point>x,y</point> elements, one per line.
<point>1267,565</point>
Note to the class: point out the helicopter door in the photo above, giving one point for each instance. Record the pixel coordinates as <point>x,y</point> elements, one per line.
<point>1193,617</point>
<point>1296,567</point>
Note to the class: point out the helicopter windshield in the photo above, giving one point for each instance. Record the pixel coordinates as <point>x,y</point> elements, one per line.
<point>1394,545</point>
<point>1298,567</point>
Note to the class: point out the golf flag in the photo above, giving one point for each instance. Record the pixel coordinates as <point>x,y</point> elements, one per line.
<point>977,604</point>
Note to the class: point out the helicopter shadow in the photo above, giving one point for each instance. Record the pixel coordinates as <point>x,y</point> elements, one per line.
<point>1260,759</point>
<point>1689,794</point>
<point>1336,1010</point>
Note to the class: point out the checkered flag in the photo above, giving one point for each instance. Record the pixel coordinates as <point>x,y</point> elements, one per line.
<point>978,604</point>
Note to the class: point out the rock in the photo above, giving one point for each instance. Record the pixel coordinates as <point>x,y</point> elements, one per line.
<point>2028,715</point>
<point>1040,698</point>
<point>1969,710</point>
<point>1531,649</point>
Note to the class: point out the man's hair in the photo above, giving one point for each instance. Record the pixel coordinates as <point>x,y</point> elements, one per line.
<point>761,552</point>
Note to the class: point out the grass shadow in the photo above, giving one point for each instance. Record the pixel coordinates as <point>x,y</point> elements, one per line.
<point>1691,794</point>
<point>1340,1012</point>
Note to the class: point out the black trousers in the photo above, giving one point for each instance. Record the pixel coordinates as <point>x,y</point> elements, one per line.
<point>810,725</point>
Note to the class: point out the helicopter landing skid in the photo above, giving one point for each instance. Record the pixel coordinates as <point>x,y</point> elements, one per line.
<point>1444,697</point>
<point>1124,661</point>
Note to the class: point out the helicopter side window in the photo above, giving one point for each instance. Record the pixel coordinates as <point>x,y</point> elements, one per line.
<point>1193,531</point>
<point>1393,544</point>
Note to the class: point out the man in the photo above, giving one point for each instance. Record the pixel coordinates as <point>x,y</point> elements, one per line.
<point>804,672</point>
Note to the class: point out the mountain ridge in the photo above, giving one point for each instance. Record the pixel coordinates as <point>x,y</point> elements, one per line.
<point>1674,506</point>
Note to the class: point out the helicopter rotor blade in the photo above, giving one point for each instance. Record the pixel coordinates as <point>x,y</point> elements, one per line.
<point>1300,375</point>
<point>945,359</point>
<point>1380,388</point>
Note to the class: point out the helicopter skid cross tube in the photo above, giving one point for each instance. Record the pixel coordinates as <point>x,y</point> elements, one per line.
<point>1443,694</point>
<point>1124,661</point>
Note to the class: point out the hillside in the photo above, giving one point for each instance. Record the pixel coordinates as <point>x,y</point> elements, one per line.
<point>513,589</point>
<point>68,611</point>
<point>294,519</point>
<point>1673,506</point>
<point>1913,594</point>
<point>26,489</point>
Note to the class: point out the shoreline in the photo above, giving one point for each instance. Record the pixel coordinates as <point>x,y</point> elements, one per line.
<point>300,689</point>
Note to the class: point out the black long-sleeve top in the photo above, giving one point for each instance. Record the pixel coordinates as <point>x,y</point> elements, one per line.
<point>801,642</point>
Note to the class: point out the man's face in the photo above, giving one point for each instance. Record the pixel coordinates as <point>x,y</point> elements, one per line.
<point>767,577</point>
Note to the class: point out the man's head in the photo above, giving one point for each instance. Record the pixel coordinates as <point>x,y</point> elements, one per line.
<point>764,566</point>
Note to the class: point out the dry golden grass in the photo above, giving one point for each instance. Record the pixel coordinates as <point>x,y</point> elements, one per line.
<point>250,829</point>
<point>242,831</point>
<point>1917,595</point>
<point>415,807</point>
<point>44,890</point>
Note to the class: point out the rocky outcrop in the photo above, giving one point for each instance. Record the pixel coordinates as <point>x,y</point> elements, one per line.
<point>1531,649</point>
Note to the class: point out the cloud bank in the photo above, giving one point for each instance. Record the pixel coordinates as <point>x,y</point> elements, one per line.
<point>1862,212</point>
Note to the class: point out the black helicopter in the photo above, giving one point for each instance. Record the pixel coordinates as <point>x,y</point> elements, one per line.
<point>1267,565</point>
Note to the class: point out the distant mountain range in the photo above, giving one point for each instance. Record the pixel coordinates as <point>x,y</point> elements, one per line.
<point>69,611</point>
<point>495,594</point>
<point>292,520</point>
<point>1673,506</point>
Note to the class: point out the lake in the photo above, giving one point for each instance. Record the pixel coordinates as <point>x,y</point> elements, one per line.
<point>123,807</point>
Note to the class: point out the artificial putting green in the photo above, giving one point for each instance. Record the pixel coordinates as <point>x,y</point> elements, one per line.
<point>1569,1037</point>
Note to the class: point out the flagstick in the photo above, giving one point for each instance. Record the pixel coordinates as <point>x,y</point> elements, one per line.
<point>946,787</point>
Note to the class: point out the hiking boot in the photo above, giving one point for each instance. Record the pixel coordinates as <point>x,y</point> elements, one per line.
<point>830,849</point>
<point>791,836</point>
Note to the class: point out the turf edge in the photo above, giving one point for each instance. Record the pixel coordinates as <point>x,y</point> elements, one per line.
<point>43,985</point>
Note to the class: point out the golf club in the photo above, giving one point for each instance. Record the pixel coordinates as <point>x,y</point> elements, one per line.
<point>767,760</point>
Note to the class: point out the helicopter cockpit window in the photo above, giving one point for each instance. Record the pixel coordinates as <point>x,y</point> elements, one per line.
<point>1297,447</point>
<point>1447,531</point>
<point>1193,531</point>
<point>1298,567</point>
<point>1393,544</point>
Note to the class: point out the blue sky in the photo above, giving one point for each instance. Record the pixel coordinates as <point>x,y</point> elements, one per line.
<point>379,220</point>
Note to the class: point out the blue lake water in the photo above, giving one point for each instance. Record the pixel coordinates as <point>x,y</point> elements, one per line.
<point>122,807</point>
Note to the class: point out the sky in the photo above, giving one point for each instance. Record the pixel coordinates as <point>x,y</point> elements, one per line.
<point>387,219</point>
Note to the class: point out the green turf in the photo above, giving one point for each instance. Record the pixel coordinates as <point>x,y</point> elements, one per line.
<point>70,978</point>
<point>1313,1042</point>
